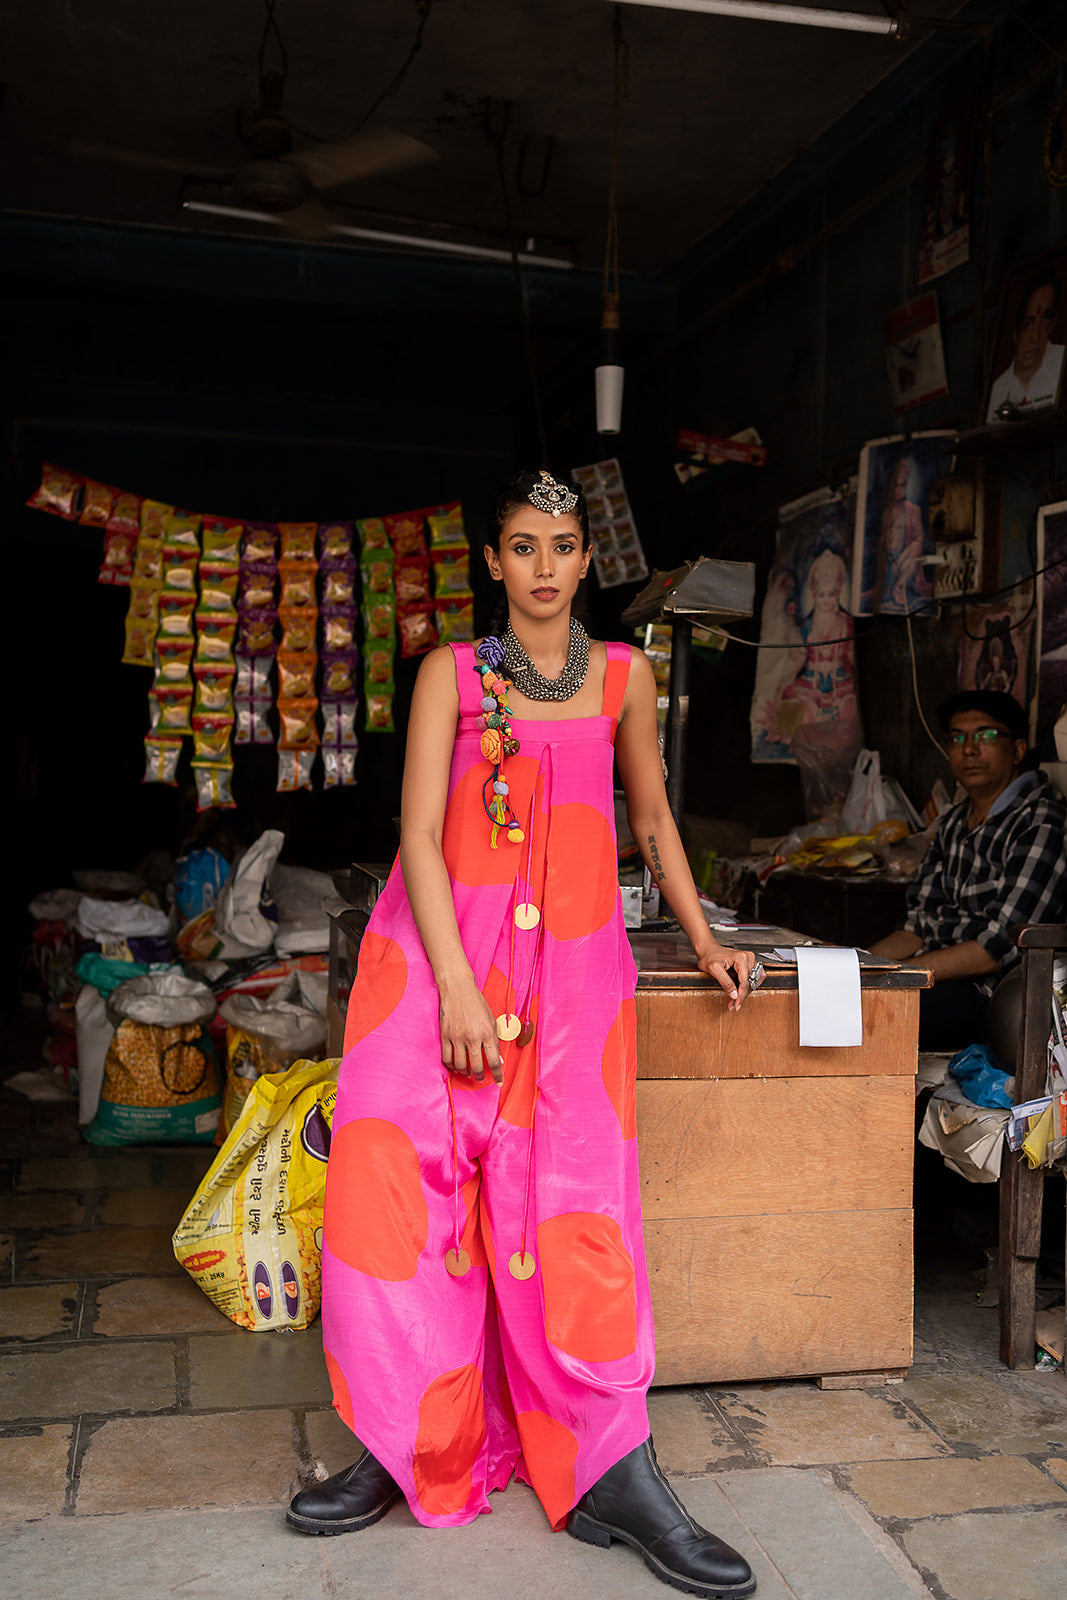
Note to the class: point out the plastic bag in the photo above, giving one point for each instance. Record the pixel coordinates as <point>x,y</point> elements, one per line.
<point>251,1235</point>
<point>240,911</point>
<point>981,1077</point>
<point>198,880</point>
<point>94,1034</point>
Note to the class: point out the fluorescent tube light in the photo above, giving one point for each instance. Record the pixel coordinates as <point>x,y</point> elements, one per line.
<point>380,236</point>
<point>767,11</point>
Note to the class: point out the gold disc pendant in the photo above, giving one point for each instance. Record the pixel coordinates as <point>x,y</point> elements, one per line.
<point>458,1263</point>
<point>522,1266</point>
<point>527,915</point>
<point>526,1035</point>
<point>508,1026</point>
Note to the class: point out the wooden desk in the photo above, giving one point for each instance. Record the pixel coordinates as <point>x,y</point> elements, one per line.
<point>776,1180</point>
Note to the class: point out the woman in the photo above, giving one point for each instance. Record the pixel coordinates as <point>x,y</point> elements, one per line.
<point>485,1300</point>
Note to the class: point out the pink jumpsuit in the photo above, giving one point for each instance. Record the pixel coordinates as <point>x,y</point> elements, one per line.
<point>485,1298</point>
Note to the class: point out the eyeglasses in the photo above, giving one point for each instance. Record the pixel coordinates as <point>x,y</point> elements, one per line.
<point>958,739</point>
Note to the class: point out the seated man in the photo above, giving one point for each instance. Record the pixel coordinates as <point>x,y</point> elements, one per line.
<point>997,858</point>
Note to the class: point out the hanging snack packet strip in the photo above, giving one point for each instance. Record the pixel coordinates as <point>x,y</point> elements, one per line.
<point>406,533</point>
<point>59,492</point>
<point>379,718</point>
<point>294,769</point>
<point>335,545</point>
<point>455,619</point>
<point>214,688</point>
<point>169,709</point>
<point>297,720</point>
<point>122,530</point>
<point>176,615</point>
<point>339,630</point>
<point>214,786</point>
<point>339,675</point>
<point>259,545</point>
<point>338,768</point>
<point>256,632</point>
<point>211,738</point>
<point>142,618</point>
<point>446,526</point>
<point>162,753</point>
<point>339,723</point>
<point>417,631</point>
<point>299,626</point>
<point>214,637</point>
<point>172,661</point>
<point>451,570</point>
<point>298,541</point>
<point>251,724</point>
<point>372,534</point>
<point>296,674</point>
<point>253,701</point>
<point>221,539</point>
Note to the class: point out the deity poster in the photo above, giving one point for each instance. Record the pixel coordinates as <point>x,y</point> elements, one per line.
<point>995,648</point>
<point>892,537</point>
<point>805,667</point>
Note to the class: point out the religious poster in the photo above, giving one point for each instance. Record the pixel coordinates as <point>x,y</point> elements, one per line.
<point>995,648</point>
<point>1051,623</point>
<point>1027,368</point>
<point>892,536</point>
<point>805,666</point>
<point>946,226</point>
<point>914,354</point>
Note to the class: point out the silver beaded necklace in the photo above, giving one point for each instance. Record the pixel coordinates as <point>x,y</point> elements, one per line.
<point>526,678</point>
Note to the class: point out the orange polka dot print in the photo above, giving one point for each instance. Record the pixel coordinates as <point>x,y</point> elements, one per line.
<point>450,1439</point>
<point>376,1214</point>
<point>582,891</point>
<point>342,1399</point>
<point>589,1286</point>
<point>381,979</point>
<point>549,1450</point>
<point>618,1067</point>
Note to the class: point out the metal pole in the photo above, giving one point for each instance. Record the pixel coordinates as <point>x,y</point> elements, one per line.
<point>678,715</point>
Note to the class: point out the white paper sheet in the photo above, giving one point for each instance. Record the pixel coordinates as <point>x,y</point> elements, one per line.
<point>831,1010</point>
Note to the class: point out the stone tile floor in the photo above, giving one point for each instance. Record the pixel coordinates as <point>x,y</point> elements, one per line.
<point>147,1446</point>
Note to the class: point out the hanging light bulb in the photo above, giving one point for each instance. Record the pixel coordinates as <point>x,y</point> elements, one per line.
<point>610,372</point>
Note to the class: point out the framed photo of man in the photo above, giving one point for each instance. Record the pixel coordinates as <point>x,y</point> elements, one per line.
<point>1026,374</point>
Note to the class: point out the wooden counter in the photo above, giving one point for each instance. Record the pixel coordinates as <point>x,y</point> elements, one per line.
<point>776,1179</point>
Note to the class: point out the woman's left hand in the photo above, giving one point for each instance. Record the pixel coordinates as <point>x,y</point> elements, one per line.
<point>719,962</point>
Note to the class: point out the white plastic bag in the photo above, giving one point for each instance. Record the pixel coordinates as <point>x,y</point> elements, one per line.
<point>107,920</point>
<point>864,805</point>
<point>94,1033</point>
<point>239,921</point>
<point>303,925</point>
<point>162,999</point>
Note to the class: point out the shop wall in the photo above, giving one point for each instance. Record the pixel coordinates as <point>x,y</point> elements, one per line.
<point>781,327</point>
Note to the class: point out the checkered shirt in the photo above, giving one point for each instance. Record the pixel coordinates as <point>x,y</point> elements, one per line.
<point>976,883</point>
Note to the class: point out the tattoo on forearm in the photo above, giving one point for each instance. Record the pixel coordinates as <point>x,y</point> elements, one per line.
<point>657,865</point>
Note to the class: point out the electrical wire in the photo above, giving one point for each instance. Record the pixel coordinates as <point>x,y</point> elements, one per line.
<point>939,747</point>
<point>423,8</point>
<point>270,27</point>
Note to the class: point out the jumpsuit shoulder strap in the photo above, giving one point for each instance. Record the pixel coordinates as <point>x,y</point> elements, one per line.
<point>616,677</point>
<point>468,682</point>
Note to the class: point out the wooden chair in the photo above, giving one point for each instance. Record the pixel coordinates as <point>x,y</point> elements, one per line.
<point>1021,1187</point>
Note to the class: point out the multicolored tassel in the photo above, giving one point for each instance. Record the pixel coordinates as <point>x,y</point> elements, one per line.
<point>497,740</point>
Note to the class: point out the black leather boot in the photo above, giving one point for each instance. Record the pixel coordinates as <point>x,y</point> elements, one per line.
<point>634,1502</point>
<point>350,1500</point>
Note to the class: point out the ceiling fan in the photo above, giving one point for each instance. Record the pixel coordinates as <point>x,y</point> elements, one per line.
<point>272,176</point>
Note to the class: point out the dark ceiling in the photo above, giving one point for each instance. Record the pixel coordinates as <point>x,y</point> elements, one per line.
<point>714,108</point>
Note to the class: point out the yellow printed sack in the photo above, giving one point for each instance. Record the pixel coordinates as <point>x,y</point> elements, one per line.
<point>251,1236</point>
